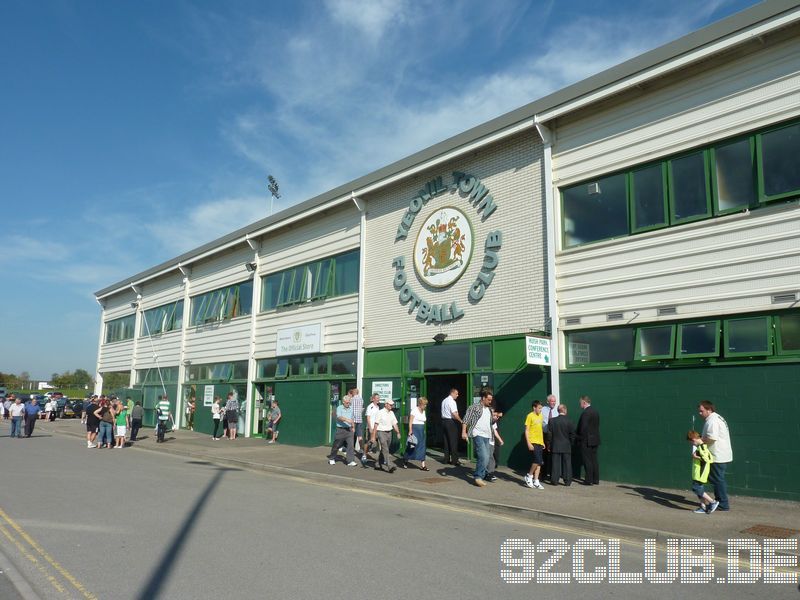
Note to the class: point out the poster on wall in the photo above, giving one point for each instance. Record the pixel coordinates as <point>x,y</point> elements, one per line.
<point>383,389</point>
<point>208,395</point>
<point>537,350</point>
<point>578,353</point>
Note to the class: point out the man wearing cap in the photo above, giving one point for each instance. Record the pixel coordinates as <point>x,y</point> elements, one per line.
<point>344,432</point>
<point>370,415</point>
<point>385,422</point>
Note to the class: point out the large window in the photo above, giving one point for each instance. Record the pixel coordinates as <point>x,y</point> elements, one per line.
<point>120,329</point>
<point>224,303</point>
<point>771,337</point>
<point>326,278</point>
<point>225,371</point>
<point>732,175</point>
<point>162,319</point>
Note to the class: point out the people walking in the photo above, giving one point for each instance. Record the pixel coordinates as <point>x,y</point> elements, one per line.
<point>32,410</point>
<point>357,402</point>
<point>17,414</point>
<point>702,460</point>
<point>385,423</point>
<point>370,414</point>
<point>190,408</point>
<point>164,413</point>
<point>216,416</point>
<point>477,424</point>
<point>92,422</point>
<point>232,414</point>
<point>417,420</point>
<point>588,434</point>
<point>344,432</point>
<point>495,442</point>
<point>451,422</point>
<point>718,438</point>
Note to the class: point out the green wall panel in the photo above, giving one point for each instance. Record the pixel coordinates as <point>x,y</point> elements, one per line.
<point>645,415</point>
<point>383,362</point>
<point>305,410</point>
<point>514,394</point>
<point>509,354</point>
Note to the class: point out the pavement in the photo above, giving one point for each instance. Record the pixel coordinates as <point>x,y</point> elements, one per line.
<point>611,509</point>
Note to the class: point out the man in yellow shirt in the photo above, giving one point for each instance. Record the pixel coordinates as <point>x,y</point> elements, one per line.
<point>534,436</point>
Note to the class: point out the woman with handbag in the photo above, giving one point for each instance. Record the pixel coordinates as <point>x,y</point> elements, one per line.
<point>416,444</point>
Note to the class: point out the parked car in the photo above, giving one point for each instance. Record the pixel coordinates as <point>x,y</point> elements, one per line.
<point>72,409</point>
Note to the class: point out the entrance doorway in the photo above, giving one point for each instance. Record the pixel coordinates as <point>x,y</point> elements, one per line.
<point>436,388</point>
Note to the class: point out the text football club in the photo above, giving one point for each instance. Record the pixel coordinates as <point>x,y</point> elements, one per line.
<point>443,248</point>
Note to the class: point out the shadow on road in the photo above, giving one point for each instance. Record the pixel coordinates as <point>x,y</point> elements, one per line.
<point>663,498</point>
<point>166,564</point>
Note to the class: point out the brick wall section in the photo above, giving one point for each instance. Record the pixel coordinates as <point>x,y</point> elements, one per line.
<point>516,299</point>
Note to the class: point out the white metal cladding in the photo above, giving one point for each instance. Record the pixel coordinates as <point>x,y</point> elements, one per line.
<point>221,271</point>
<point>115,357</point>
<point>118,305</point>
<point>322,235</point>
<point>721,266</point>
<point>221,341</point>
<point>748,93</point>
<point>516,299</point>
<point>326,235</point>
<point>163,290</point>
<point>167,346</point>
<point>338,316</point>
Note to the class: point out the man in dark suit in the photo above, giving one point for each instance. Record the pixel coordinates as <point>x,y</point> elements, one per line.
<point>562,435</point>
<point>589,440</point>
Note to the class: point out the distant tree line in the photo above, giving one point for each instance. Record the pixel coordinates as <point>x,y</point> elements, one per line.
<point>68,379</point>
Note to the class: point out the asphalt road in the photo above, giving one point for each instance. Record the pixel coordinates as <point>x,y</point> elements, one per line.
<point>80,523</point>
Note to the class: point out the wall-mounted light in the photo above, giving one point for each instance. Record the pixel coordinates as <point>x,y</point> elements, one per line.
<point>187,362</point>
<point>134,304</point>
<point>251,267</point>
<point>439,337</point>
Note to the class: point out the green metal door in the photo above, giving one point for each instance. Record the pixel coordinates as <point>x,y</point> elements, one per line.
<point>203,422</point>
<point>305,409</point>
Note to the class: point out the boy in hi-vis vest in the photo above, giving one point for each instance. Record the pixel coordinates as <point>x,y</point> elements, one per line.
<point>701,467</point>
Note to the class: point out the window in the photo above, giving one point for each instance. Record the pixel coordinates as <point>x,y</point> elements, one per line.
<point>748,337</point>
<point>655,342</point>
<point>604,347</point>
<point>344,363</point>
<point>222,304</point>
<point>689,197</point>
<point>412,360</point>
<point>446,357</point>
<point>788,332</point>
<point>734,175</point>
<point>696,340</point>
<point>730,176</point>
<point>154,377</point>
<point>120,329</point>
<point>648,198</point>
<point>225,371</point>
<point>483,355</point>
<point>324,278</point>
<point>595,211</point>
<point>779,162</point>
<point>322,365</point>
<point>162,319</point>
<point>282,370</point>
<point>266,368</point>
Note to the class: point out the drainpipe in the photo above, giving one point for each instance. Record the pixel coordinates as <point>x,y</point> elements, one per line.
<point>362,232</point>
<point>550,234</point>
<point>183,381</point>
<point>255,246</point>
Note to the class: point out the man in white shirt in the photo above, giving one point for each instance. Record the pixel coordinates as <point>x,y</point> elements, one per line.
<point>451,422</point>
<point>718,439</point>
<point>369,415</point>
<point>385,422</point>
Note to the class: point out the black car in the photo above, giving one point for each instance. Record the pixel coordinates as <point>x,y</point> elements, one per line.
<point>71,408</point>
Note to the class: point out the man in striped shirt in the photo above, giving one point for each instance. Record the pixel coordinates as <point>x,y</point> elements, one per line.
<point>164,415</point>
<point>357,402</point>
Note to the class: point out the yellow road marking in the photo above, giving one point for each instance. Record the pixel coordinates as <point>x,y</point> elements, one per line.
<point>42,553</point>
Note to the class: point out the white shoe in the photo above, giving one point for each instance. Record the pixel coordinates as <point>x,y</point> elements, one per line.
<point>352,463</point>
<point>331,461</point>
<point>529,481</point>
<point>537,485</point>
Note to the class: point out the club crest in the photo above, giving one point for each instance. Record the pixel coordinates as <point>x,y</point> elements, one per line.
<point>443,247</point>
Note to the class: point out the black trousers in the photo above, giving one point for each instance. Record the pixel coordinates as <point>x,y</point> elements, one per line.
<point>216,427</point>
<point>30,421</point>
<point>592,469</point>
<point>561,463</point>
<point>135,426</point>
<point>450,434</point>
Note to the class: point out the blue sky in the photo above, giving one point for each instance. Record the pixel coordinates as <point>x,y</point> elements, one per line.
<point>133,131</point>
